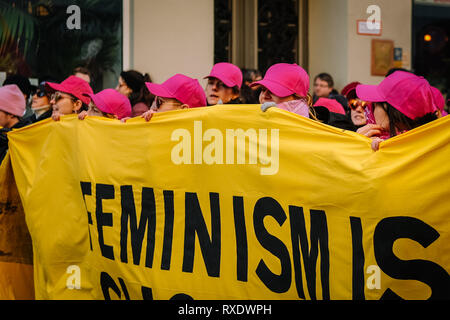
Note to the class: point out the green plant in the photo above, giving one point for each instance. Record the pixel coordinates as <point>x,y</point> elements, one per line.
<point>17,27</point>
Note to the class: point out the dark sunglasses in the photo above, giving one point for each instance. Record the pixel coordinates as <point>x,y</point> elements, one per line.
<point>40,93</point>
<point>355,103</point>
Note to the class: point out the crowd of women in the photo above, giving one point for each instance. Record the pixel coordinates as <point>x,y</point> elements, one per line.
<point>401,102</point>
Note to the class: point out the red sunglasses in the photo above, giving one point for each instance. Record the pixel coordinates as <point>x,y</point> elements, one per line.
<point>355,103</point>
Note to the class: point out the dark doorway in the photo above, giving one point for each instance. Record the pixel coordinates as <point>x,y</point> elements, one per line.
<point>431,46</point>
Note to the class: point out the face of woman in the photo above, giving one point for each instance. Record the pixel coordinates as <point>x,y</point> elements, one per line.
<point>358,116</point>
<point>123,88</point>
<point>381,117</point>
<point>216,90</point>
<point>39,102</point>
<point>6,119</point>
<point>94,111</point>
<point>267,96</point>
<point>167,104</point>
<point>64,103</point>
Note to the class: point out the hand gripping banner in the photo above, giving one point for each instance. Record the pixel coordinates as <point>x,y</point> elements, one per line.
<point>233,203</point>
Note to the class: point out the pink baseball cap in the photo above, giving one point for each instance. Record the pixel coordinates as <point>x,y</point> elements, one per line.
<point>408,93</point>
<point>331,104</point>
<point>112,102</point>
<point>74,86</point>
<point>284,79</point>
<point>12,100</point>
<point>439,100</point>
<point>180,87</point>
<point>228,73</point>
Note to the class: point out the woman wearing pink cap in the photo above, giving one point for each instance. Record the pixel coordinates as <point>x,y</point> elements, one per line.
<point>108,103</point>
<point>286,86</point>
<point>401,102</point>
<point>68,96</point>
<point>224,84</point>
<point>131,83</point>
<point>356,107</point>
<point>283,83</point>
<point>176,93</point>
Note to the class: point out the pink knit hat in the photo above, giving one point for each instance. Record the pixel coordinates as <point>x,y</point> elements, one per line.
<point>12,100</point>
<point>439,100</point>
<point>112,102</point>
<point>284,79</point>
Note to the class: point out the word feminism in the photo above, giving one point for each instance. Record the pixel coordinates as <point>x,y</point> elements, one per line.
<point>305,250</point>
<point>221,150</point>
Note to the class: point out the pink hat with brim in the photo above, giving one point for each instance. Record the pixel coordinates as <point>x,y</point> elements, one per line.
<point>12,100</point>
<point>183,88</point>
<point>331,104</point>
<point>408,93</point>
<point>112,102</point>
<point>228,73</point>
<point>438,98</point>
<point>274,87</point>
<point>74,86</point>
<point>284,79</point>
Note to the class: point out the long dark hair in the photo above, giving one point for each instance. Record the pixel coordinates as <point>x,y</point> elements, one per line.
<point>398,120</point>
<point>136,82</point>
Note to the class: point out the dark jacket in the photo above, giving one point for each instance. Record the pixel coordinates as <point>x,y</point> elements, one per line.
<point>33,119</point>
<point>333,119</point>
<point>4,138</point>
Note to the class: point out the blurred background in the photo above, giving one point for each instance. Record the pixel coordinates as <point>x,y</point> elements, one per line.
<point>188,36</point>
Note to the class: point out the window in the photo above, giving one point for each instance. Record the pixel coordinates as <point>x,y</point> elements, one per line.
<point>277,32</point>
<point>431,45</point>
<point>222,30</point>
<point>41,39</point>
<point>256,34</point>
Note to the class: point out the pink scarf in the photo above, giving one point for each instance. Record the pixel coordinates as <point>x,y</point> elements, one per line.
<point>296,106</point>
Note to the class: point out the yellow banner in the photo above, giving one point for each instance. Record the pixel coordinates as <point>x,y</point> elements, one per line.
<point>16,255</point>
<point>233,203</point>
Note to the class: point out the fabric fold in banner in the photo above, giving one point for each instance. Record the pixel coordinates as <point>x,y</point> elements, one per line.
<point>227,203</point>
<point>16,254</point>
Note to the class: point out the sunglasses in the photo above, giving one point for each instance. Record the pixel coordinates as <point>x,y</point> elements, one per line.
<point>58,96</point>
<point>39,94</point>
<point>355,103</point>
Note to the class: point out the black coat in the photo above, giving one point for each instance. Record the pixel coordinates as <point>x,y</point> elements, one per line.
<point>33,119</point>
<point>337,120</point>
<point>4,138</point>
